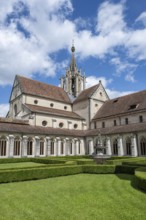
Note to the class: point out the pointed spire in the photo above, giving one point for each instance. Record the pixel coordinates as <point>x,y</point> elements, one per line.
<point>73,65</point>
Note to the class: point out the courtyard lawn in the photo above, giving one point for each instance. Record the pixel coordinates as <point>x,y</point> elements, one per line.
<point>76,197</point>
<point>20,165</point>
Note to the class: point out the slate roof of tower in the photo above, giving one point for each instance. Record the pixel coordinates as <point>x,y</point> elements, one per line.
<point>53,111</point>
<point>123,105</point>
<point>36,88</point>
<point>86,93</point>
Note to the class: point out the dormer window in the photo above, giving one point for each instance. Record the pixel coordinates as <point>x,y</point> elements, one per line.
<point>114,101</point>
<point>133,107</point>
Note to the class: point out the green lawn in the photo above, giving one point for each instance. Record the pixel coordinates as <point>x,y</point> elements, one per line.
<point>20,165</point>
<point>76,197</point>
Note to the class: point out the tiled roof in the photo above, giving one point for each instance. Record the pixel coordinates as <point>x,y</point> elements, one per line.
<point>87,93</point>
<point>123,105</point>
<point>135,127</point>
<point>14,121</point>
<point>53,111</point>
<point>36,130</point>
<point>33,87</point>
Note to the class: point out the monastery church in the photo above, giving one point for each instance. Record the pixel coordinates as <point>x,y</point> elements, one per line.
<point>46,120</point>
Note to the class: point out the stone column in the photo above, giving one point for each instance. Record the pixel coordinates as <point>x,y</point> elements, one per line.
<point>91,147</point>
<point>120,146</point>
<point>134,146</point>
<point>48,146</point>
<point>45,147</point>
<point>33,147</point>
<point>37,146</point>
<point>58,146</point>
<point>24,146</point>
<point>82,147</point>
<point>73,147</point>
<point>108,147</point>
<point>11,146</point>
<point>55,147</point>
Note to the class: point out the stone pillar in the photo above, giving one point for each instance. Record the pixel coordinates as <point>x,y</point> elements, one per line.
<point>108,147</point>
<point>55,147</point>
<point>120,146</point>
<point>82,147</point>
<point>37,146</point>
<point>73,147</point>
<point>24,146</point>
<point>91,147</point>
<point>33,147</point>
<point>58,146</point>
<point>48,146</point>
<point>134,146</point>
<point>11,146</point>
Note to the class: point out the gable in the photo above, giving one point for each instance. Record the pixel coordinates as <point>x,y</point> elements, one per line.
<point>100,94</point>
<point>16,90</point>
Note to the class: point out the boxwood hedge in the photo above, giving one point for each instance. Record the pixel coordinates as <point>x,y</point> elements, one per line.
<point>140,175</point>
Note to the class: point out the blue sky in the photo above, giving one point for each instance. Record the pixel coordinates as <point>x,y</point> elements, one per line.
<point>109,36</point>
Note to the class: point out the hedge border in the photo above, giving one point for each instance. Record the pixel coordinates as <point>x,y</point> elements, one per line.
<point>140,177</point>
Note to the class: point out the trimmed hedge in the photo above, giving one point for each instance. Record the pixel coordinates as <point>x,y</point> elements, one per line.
<point>39,173</point>
<point>15,160</point>
<point>47,161</point>
<point>125,169</point>
<point>125,160</point>
<point>140,175</point>
<point>106,169</point>
<point>85,161</point>
<point>46,172</point>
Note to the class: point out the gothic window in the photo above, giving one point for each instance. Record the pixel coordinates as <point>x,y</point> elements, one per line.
<point>41,147</point>
<point>103,124</point>
<point>115,147</point>
<point>95,125</point>
<point>128,146</point>
<point>115,122</point>
<point>29,146</point>
<point>16,147</point>
<point>15,110</point>
<point>143,146</point>
<point>52,147</point>
<point>3,146</point>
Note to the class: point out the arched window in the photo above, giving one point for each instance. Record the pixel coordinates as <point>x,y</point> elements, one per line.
<point>115,147</point>
<point>52,147</point>
<point>62,147</point>
<point>42,147</point>
<point>3,146</point>
<point>128,146</point>
<point>15,110</point>
<point>16,151</point>
<point>29,146</point>
<point>143,146</point>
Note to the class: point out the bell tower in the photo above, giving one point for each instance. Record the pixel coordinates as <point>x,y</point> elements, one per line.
<point>73,82</point>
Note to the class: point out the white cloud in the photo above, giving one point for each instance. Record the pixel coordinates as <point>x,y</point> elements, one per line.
<point>92,80</point>
<point>4,109</point>
<point>142,18</point>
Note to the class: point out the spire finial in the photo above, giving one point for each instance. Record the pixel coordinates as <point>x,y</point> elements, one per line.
<point>73,47</point>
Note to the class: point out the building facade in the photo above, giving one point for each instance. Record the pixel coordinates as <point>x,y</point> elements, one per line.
<point>46,120</point>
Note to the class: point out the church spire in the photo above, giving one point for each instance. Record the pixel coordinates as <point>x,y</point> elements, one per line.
<point>73,65</point>
<point>73,82</point>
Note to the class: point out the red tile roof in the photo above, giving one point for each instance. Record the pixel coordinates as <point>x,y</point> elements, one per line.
<point>122,105</point>
<point>33,87</point>
<point>87,93</point>
<point>36,130</point>
<point>53,111</point>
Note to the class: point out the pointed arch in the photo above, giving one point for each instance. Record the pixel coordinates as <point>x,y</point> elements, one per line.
<point>3,146</point>
<point>42,146</point>
<point>17,144</point>
<point>128,146</point>
<point>115,146</point>
<point>143,145</point>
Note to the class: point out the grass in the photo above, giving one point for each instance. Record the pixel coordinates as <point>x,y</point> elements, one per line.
<point>20,165</point>
<point>83,196</point>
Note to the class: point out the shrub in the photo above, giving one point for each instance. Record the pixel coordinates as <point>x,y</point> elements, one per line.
<point>140,175</point>
<point>14,160</point>
<point>47,161</point>
<point>125,169</point>
<point>71,162</point>
<point>85,161</point>
<point>39,173</point>
<point>99,169</point>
